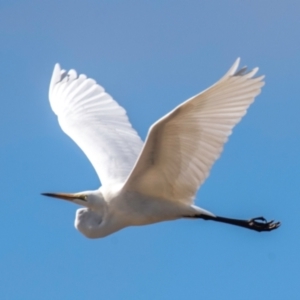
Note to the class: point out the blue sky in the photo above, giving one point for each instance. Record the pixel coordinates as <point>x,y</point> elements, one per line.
<point>150,56</point>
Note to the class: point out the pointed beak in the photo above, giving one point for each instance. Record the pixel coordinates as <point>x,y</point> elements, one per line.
<point>68,197</point>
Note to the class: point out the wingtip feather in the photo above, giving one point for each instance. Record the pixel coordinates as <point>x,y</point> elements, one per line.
<point>235,66</point>
<point>55,77</point>
<point>233,69</point>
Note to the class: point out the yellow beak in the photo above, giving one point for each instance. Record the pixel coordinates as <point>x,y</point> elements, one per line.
<point>68,197</point>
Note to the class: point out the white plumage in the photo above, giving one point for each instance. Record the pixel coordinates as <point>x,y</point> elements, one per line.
<point>97,124</point>
<point>157,181</point>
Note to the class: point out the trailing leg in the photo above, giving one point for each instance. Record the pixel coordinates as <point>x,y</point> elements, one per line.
<point>258,224</point>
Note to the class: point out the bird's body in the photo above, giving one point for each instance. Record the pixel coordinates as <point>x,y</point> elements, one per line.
<point>124,209</point>
<point>155,181</point>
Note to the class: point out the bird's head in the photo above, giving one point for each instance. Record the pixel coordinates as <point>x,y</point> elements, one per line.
<point>93,220</point>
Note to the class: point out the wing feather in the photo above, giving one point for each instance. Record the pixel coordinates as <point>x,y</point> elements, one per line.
<point>181,147</point>
<point>97,124</point>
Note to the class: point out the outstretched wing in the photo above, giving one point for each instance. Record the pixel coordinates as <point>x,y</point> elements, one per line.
<point>96,123</point>
<point>181,147</point>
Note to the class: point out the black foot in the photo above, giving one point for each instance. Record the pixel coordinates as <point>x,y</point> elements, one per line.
<point>261,224</point>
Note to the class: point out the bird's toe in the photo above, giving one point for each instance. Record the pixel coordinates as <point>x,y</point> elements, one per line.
<point>261,224</point>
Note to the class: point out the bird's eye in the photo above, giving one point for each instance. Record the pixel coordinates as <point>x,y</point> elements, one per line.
<point>83,197</point>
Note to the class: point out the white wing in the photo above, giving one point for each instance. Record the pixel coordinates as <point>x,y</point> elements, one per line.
<point>182,146</point>
<point>97,124</point>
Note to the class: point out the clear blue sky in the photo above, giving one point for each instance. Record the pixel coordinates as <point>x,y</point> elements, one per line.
<point>150,55</point>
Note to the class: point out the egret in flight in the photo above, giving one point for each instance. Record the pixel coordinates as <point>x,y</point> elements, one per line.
<point>145,183</point>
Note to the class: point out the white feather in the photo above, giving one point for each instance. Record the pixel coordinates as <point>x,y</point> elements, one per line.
<point>97,124</point>
<point>181,147</point>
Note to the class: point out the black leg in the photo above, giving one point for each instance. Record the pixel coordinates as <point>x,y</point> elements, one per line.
<point>258,224</point>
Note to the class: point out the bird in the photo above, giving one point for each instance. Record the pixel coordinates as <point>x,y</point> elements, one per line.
<point>154,181</point>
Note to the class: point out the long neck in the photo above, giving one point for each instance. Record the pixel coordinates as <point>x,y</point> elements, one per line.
<point>94,224</point>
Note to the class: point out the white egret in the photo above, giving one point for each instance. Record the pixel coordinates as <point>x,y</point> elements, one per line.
<point>155,181</point>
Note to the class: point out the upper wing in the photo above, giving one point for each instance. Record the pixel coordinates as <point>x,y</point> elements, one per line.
<point>182,146</point>
<point>97,124</point>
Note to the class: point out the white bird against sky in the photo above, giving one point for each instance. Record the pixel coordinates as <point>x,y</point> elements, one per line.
<point>145,183</point>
